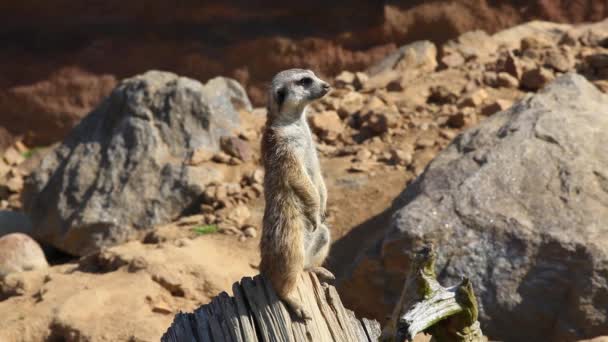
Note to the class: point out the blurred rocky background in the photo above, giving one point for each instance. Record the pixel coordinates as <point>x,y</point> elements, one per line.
<point>130,181</point>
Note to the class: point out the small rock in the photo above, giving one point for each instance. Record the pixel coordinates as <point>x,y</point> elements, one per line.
<point>506,80</point>
<point>327,125</point>
<point>473,98</point>
<point>496,106</point>
<point>344,78</point>
<point>350,103</point>
<point>13,157</point>
<point>536,78</point>
<point>200,155</point>
<point>239,215</point>
<point>452,60</point>
<point>18,253</point>
<point>237,148</point>
<point>190,220</point>
<point>569,39</point>
<point>559,60</point>
<point>401,157</point>
<point>4,168</point>
<point>380,122</point>
<point>363,154</point>
<point>424,142</point>
<point>363,166</point>
<point>15,184</point>
<point>598,61</point>
<point>228,230</point>
<point>20,146</point>
<point>221,157</point>
<point>456,120</point>
<point>536,42</point>
<point>250,231</point>
<point>509,64</point>
<point>602,85</point>
<point>442,95</point>
<point>394,85</point>
<point>447,134</point>
<point>361,79</point>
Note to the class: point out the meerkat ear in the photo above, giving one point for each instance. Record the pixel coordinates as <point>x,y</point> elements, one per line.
<point>281,94</point>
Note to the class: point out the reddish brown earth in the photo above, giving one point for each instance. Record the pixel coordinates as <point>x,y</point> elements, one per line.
<point>96,44</point>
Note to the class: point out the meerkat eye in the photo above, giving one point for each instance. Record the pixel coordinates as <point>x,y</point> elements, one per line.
<point>305,81</point>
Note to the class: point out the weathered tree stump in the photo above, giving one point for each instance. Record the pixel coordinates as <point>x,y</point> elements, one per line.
<point>254,313</point>
<point>448,314</point>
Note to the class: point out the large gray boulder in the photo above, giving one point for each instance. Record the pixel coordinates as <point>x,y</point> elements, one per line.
<point>124,167</point>
<point>519,205</point>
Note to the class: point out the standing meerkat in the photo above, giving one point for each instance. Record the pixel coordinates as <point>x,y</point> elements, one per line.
<point>294,236</point>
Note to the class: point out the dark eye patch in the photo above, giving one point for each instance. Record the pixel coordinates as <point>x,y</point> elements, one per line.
<point>305,81</point>
<point>281,94</point>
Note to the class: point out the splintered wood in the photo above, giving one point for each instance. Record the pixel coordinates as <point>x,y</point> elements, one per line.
<point>255,313</point>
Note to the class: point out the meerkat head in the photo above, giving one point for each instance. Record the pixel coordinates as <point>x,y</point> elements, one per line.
<point>292,90</point>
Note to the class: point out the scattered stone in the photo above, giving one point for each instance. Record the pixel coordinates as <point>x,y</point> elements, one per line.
<point>509,64</point>
<point>190,220</point>
<point>222,158</point>
<point>238,215</point>
<point>237,148</point>
<point>495,106</point>
<point>360,80</point>
<point>344,78</point>
<point>536,78</point>
<point>327,125</point>
<point>474,98</point>
<point>506,80</point>
<point>569,39</point>
<point>597,61</point>
<point>452,60</point>
<point>441,94</point>
<point>350,103</point>
<point>250,231</point>
<point>602,85</point>
<point>14,183</point>
<point>364,166</point>
<point>400,156</point>
<point>363,154</point>
<point>200,155</point>
<point>456,120</point>
<point>12,156</point>
<point>425,142</point>
<point>559,60</point>
<point>18,253</point>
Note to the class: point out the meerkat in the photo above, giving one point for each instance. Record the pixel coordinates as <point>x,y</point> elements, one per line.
<point>294,236</point>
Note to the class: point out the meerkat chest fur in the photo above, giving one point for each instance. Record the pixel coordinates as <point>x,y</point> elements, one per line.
<point>299,138</point>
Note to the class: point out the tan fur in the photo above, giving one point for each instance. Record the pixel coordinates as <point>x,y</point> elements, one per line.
<point>294,238</point>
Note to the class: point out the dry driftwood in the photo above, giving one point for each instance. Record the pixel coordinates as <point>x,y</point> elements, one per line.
<point>254,313</point>
<point>448,314</point>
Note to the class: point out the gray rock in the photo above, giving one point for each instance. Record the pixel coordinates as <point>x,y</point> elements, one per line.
<point>125,166</point>
<point>519,205</point>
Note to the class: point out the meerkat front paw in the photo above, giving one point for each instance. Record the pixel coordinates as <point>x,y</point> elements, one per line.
<point>323,273</point>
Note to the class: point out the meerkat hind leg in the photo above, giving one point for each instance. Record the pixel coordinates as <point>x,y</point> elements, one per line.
<point>317,252</point>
